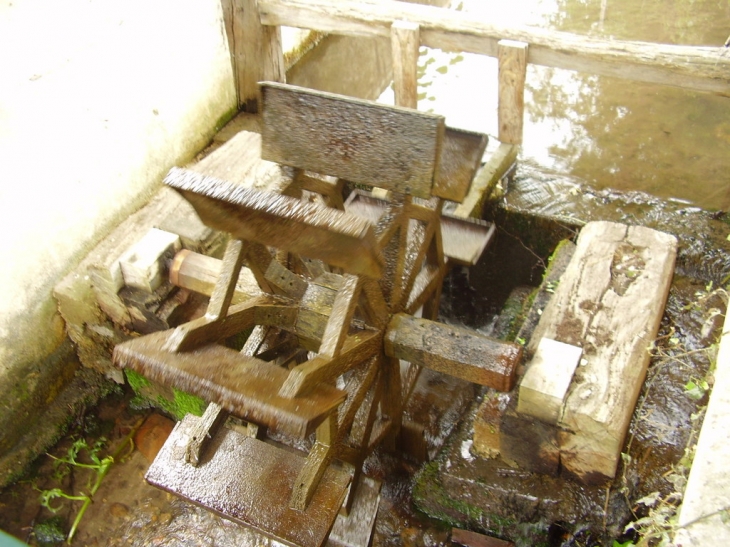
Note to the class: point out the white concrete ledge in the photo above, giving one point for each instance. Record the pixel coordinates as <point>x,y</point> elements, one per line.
<point>706,505</point>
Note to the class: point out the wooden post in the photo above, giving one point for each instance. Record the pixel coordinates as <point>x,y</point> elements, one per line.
<point>257,54</point>
<point>405,41</point>
<point>512,71</point>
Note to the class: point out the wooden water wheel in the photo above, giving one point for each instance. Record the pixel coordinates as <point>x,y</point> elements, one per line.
<point>345,317</point>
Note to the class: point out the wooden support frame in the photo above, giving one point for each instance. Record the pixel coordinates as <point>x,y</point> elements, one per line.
<point>512,73</point>
<point>688,67</point>
<point>405,41</point>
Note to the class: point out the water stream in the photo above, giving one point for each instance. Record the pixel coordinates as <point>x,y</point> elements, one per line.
<point>607,132</point>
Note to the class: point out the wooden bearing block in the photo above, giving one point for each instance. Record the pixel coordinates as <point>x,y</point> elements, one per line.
<point>544,386</point>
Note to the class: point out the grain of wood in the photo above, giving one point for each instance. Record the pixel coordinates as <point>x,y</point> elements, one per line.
<point>360,141</point>
<point>512,73</point>
<point>405,42</point>
<point>610,302</point>
<point>689,67</point>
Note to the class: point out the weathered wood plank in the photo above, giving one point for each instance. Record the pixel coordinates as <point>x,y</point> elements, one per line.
<point>459,352</point>
<point>544,386</point>
<point>198,273</point>
<point>225,286</point>
<point>404,43</point>
<point>257,53</point>
<point>689,67</point>
<point>610,302</point>
<point>282,222</point>
<point>357,348</point>
<point>496,167</point>
<point>461,155</point>
<point>340,317</point>
<point>360,141</point>
<point>250,482</point>
<point>512,57</point>
<point>245,386</point>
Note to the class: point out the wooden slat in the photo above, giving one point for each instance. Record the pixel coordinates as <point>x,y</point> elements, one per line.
<point>404,43</point>
<point>459,352</point>
<point>609,302</point>
<point>463,239</point>
<point>249,482</point>
<point>282,222</point>
<point>225,286</point>
<point>360,141</point>
<point>257,53</point>
<point>689,67</point>
<point>497,165</point>
<point>245,386</point>
<point>357,348</point>
<point>340,317</point>
<point>461,155</point>
<point>512,57</point>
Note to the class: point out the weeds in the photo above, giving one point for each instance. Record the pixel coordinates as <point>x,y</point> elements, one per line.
<point>81,455</point>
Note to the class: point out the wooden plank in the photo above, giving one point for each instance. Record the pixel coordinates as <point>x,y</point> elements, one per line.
<point>689,67</point>
<point>461,155</point>
<point>249,482</point>
<point>463,239</point>
<point>360,141</point>
<point>225,286</point>
<point>459,352</point>
<point>257,53</point>
<point>341,316</point>
<point>243,385</point>
<point>496,167</point>
<point>198,273</point>
<point>473,539</point>
<point>239,162</point>
<point>610,302</point>
<point>544,386</point>
<point>512,57</point>
<point>356,349</point>
<point>202,431</point>
<point>279,221</point>
<point>404,43</point>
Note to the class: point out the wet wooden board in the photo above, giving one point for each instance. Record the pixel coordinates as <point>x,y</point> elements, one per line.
<point>360,141</point>
<point>609,302</point>
<point>464,239</point>
<point>244,386</point>
<point>452,350</point>
<point>461,155</point>
<point>280,221</point>
<point>249,482</point>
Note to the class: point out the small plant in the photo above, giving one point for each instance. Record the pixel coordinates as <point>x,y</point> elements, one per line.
<point>98,466</point>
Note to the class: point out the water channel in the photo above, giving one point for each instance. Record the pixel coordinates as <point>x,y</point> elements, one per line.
<point>606,132</point>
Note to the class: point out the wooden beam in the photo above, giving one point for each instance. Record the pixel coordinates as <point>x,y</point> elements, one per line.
<point>405,42</point>
<point>610,302</point>
<point>689,67</point>
<point>512,73</point>
<point>257,53</point>
<point>452,350</point>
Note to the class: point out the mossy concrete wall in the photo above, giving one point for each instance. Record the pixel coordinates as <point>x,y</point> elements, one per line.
<point>97,101</point>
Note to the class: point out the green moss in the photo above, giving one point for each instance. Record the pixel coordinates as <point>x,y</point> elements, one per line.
<point>172,401</point>
<point>227,116</point>
<point>181,404</point>
<point>429,494</point>
<point>136,381</point>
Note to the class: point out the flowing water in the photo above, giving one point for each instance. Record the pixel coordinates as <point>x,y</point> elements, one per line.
<point>608,132</point>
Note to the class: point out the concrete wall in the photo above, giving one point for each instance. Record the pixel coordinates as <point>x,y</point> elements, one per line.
<point>98,99</point>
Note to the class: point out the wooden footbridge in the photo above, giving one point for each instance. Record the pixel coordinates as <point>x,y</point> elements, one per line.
<point>343,316</point>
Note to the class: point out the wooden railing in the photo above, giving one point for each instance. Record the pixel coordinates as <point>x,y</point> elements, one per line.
<point>254,35</point>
